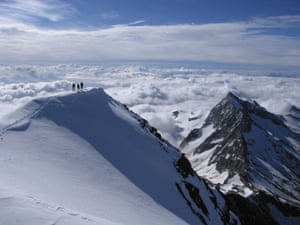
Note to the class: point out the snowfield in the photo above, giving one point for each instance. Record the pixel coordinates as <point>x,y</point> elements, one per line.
<point>82,158</point>
<point>51,175</point>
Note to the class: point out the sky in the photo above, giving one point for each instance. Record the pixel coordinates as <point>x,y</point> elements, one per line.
<point>245,34</point>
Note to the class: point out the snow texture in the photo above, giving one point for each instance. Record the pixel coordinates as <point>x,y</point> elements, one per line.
<point>82,159</point>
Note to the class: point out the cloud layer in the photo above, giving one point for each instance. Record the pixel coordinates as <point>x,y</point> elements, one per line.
<point>156,93</point>
<point>265,42</point>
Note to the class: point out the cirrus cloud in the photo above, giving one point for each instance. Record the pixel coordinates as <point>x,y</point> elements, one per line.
<point>33,9</point>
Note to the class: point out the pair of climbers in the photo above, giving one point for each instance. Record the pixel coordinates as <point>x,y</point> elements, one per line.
<point>78,85</point>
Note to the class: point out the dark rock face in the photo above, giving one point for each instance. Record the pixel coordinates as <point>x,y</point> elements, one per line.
<point>259,209</point>
<point>250,211</point>
<point>184,167</point>
<point>247,141</point>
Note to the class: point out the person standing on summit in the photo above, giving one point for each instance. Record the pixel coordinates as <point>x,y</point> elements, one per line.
<point>81,85</point>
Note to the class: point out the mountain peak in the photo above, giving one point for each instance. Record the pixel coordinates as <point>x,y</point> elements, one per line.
<point>242,146</point>
<point>248,106</point>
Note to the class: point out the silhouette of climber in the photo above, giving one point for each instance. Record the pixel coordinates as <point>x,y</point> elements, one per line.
<point>73,86</point>
<point>78,87</point>
<point>81,85</point>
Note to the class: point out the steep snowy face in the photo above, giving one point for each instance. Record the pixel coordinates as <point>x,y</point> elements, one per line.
<point>245,149</point>
<point>292,117</point>
<point>84,158</point>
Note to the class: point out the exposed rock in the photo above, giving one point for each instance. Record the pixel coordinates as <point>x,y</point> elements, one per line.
<point>246,150</point>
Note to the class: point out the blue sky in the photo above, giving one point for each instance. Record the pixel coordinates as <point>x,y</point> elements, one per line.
<point>258,33</point>
<point>182,11</point>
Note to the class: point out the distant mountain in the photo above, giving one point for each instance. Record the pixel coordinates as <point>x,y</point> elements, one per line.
<point>244,149</point>
<point>84,158</point>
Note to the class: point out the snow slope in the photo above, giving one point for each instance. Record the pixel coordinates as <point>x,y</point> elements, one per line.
<point>84,159</point>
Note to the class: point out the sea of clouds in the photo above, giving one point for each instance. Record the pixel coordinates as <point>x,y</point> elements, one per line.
<point>173,99</point>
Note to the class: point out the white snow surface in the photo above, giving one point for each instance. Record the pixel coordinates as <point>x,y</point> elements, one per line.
<point>237,185</point>
<point>50,170</point>
<point>190,147</point>
<point>201,165</point>
<point>82,159</point>
<point>51,175</point>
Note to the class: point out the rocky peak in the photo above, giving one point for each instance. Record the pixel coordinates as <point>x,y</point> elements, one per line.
<point>242,147</point>
<point>232,110</point>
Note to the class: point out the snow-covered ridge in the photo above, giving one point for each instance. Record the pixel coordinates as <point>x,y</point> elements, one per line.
<point>83,158</point>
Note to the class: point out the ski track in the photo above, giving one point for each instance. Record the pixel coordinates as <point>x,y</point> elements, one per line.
<point>60,213</point>
<point>31,114</point>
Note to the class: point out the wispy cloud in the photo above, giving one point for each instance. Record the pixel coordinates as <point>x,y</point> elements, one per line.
<point>245,42</point>
<point>277,21</point>
<point>110,15</point>
<point>31,10</point>
<point>134,23</point>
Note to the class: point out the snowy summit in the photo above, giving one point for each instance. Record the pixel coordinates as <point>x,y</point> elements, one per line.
<point>83,158</point>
